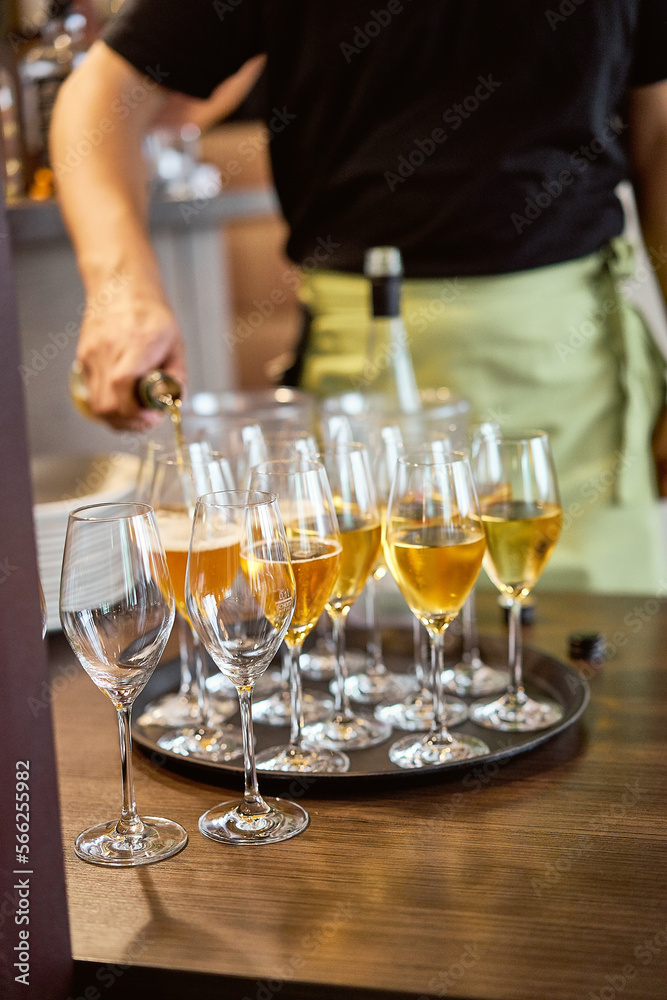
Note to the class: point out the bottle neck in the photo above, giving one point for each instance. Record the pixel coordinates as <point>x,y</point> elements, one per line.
<point>386,296</point>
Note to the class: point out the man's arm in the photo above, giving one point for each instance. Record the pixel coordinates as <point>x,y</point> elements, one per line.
<point>128,327</point>
<point>648,146</point>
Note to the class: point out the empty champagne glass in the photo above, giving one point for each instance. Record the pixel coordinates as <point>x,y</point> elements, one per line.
<point>349,471</point>
<point>434,545</point>
<point>176,484</point>
<point>117,609</point>
<point>240,597</point>
<point>522,517</point>
<point>307,509</point>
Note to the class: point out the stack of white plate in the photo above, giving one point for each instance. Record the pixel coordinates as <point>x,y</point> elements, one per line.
<point>61,483</point>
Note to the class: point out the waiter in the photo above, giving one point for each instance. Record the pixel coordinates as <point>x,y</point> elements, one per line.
<point>486,141</point>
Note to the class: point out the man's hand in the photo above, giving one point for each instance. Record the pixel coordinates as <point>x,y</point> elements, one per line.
<point>120,343</point>
<point>659,446</point>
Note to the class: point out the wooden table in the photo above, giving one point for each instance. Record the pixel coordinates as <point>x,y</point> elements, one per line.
<point>544,878</point>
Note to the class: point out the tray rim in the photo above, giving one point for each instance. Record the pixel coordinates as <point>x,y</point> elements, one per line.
<point>200,769</point>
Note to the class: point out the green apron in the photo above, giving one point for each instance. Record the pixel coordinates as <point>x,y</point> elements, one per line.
<point>558,348</point>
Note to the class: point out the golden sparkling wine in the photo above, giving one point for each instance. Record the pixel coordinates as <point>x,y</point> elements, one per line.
<point>361,544</point>
<point>520,539</point>
<point>380,566</point>
<point>435,567</point>
<point>175,528</point>
<point>214,567</point>
<point>315,564</point>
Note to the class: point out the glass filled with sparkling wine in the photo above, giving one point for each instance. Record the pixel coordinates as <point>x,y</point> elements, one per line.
<point>522,518</point>
<point>434,544</point>
<point>241,596</point>
<point>177,481</point>
<point>307,509</point>
<point>117,609</point>
<point>349,470</point>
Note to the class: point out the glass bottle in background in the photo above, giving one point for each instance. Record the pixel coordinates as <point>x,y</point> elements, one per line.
<point>388,368</point>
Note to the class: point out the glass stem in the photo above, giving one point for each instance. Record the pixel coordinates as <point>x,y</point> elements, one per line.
<point>374,647</point>
<point>470,624</point>
<point>184,648</point>
<point>203,703</point>
<point>286,666</point>
<point>253,803</point>
<point>296,697</point>
<point>129,823</point>
<point>515,687</point>
<point>418,652</point>
<point>342,703</point>
<point>439,729</point>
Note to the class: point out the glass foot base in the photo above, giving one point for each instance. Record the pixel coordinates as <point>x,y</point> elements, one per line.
<point>177,711</point>
<point>370,688</point>
<point>470,683</point>
<point>170,710</point>
<point>103,845</point>
<point>424,752</point>
<point>512,714</point>
<point>321,666</point>
<point>415,713</point>
<point>217,745</point>
<point>303,759</point>
<point>277,709</point>
<point>228,824</point>
<point>347,733</point>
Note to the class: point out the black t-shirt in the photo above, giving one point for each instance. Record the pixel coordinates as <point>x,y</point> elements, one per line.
<point>479,136</point>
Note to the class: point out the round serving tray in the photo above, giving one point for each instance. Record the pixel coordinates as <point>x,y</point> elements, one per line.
<point>543,674</point>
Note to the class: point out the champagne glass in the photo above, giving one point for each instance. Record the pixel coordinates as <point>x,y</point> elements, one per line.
<point>291,443</point>
<point>176,484</point>
<point>471,676</point>
<point>415,711</point>
<point>349,471</point>
<point>307,509</point>
<point>174,708</point>
<point>117,609</point>
<point>43,610</point>
<point>240,597</point>
<point>434,546</point>
<point>371,681</point>
<point>522,518</point>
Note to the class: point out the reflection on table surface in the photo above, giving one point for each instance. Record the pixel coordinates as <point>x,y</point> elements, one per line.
<point>539,878</point>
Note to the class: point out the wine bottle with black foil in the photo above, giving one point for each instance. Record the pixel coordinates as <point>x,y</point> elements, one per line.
<point>388,369</point>
<point>154,391</point>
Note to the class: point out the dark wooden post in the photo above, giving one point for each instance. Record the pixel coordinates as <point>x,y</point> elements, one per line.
<point>35,956</point>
